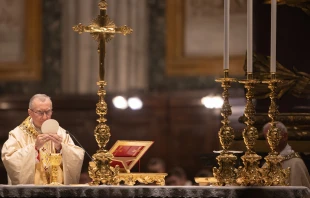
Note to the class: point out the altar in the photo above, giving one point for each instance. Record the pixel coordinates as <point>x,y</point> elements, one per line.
<point>153,191</point>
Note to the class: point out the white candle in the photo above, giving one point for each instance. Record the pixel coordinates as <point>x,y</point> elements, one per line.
<point>273,49</point>
<point>250,36</point>
<point>226,33</point>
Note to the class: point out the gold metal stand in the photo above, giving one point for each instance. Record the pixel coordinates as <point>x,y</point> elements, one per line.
<point>250,174</point>
<point>273,173</point>
<point>55,161</point>
<point>130,179</point>
<point>226,173</point>
<point>102,30</point>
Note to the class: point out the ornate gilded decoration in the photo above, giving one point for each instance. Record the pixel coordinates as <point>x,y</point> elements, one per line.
<point>273,173</point>
<point>226,173</point>
<point>27,127</point>
<point>55,161</point>
<point>304,5</point>
<point>100,170</point>
<point>103,5</point>
<point>102,131</point>
<point>273,135</point>
<point>45,158</point>
<point>206,181</point>
<point>297,124</point>
<point>290,156</point>
<point>296,83</point>
<point>144,178</point>
<point>109,28</point>
<point>250,133</point>
<point>102,29</point>
<point>249,174</point>
<point>127,158</point>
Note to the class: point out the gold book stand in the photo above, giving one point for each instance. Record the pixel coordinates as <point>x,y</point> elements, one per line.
<point>126,154</point>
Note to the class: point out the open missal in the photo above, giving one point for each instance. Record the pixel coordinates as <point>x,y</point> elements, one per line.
<point>127,153</point>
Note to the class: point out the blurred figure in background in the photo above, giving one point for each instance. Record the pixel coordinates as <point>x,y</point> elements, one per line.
<point>177,177</point>
<point>156,165</point>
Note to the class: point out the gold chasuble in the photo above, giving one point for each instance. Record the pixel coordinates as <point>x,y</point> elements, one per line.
<point>26,165</point>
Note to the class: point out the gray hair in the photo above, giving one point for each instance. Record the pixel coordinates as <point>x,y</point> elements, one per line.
<point>41,97</point>
<point>279,125</point>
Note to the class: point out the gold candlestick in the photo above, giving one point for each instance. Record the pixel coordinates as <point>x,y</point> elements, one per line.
<point>273,173</point>
<point>226,173</point>
<point>102,30</point>
<point>249,174</point>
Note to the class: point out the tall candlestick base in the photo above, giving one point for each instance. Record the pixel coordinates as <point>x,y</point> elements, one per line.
<point>249,174</point>
<point>272,172</point>
<point>225,173</point>
<point>99,169</point>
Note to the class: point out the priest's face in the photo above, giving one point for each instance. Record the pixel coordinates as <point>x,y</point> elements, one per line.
<point>40,111</point>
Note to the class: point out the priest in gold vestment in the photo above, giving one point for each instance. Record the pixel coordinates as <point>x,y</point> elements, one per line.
<point>24,153</point>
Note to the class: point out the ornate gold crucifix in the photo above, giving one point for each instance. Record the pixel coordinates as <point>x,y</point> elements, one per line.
<point>102,30</point>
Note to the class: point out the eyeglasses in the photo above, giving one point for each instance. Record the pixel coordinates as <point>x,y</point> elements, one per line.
<point>41,113</point>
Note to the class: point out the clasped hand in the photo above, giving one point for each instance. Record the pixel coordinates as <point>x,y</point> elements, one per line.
<point>42,138</point>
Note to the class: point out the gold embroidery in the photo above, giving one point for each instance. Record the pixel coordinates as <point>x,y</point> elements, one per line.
<point>27,127</point>
<point>45,162</point>
<point>290,156</point>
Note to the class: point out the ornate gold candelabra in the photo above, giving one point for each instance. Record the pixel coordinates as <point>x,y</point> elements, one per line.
<point>102,30</point>
<point>249,174</point>
<point>225,173</point>
<point>273,174</point>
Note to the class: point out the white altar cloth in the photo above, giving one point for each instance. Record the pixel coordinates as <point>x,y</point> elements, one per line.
<point>153,191</point>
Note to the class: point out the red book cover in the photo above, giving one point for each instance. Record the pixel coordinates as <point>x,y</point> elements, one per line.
<point>128,153</point>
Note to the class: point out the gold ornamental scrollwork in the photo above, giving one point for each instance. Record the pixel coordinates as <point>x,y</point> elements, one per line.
<point>55,161</point>
<point>102,131</point>
<point>250,174</point>
<point>272,172</point>
<point>103,5</point>
<point>100,170</point>
<point>304,5</point>
<point>130,179</point>
<point>102,29</point>
<point>109,29</point>
<point>225,174</point>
